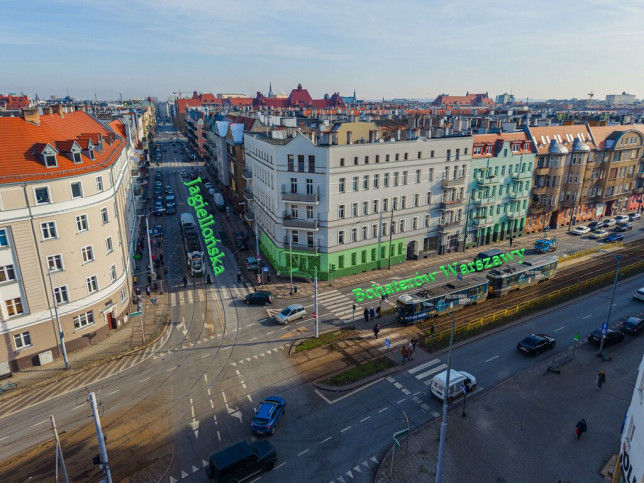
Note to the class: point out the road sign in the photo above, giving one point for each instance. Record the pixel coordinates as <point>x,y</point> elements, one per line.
<point>577,337</point>
<point>314,315</point>
<point>154,301</point>
<point>265,269</point>
<point>134,314</point>
<point>387,342</point>
<point>460,276</point>
<point>604,328</point>
<point>258,257</point>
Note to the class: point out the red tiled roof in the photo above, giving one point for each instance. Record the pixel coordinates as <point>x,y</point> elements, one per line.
<point>14,102</point>
<point>466,100</point>
<point>497,140</point>
<point>600,133</point>
<point>542,136</point>
<point>240,101</point>
<point>20,141</point>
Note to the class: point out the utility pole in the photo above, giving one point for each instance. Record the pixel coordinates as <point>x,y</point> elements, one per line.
<point>290,259</point>
<point>257,255</point>
<point>59,452</point>
<point>441,444</point>
<point>315,306</point>
<point>101,459</point>
<point>60,327</point>
<point>467,218</point>
<point>391,234</point>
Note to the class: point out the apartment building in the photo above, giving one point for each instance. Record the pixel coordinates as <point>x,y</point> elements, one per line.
<point>66,218</point>
<point>348,208</point>
<point>499,188</point>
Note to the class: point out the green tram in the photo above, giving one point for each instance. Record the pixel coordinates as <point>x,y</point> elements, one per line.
<point>510,277</point>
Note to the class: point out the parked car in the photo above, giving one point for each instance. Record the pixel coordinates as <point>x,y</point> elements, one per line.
<point>624,227</point>
<point>612,337</point>
<point>241,461</point>
<point>639,294</point>
<point>171,208</point>
<point>593,225</point>
<point>614,237</point>
<point>292,312</point>
<point>184,173</point>
<point>208,185</point>
<point>580,230</point>
<point>168,190</point>
<point>599,234</point>
<point>632,326</point>
<point>251,263</point>
<point>268,414</point>
<point>241,245</point>
<point>240,235</point>
<point>536,343</point>
<point>211,191</point>
<point>610,222</point>
<point>622,219</point>
<point>261,297</point>
<point>158,209</point>
<point>634,216</point>
<point>158,231</point>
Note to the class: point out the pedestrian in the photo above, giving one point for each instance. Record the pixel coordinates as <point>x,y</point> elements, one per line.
<point>376,329</point>
<point>165,272</point>
<point>366,314</point>
<point>601,379</point>
<point>185,281</point>
<point>149,278</point>
<point>378,312</point>
<point>161,257</point>
<point>581,428</point>
<point>372,313</point>
<point>414,341</point>
<point>410,352</point>
<point>238,277</point>
<point>147,291</point>
<point>510,241</point>
<point>268,278</point>
<point>403,353</point>
<point>208,279</point>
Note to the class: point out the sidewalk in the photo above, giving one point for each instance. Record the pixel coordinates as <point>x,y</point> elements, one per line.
<point>524,429</point>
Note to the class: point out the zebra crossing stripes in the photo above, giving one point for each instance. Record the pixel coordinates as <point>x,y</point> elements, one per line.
<point>338,304</point>
<point>189,296</point>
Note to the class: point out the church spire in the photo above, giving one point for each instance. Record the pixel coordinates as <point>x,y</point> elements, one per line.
<point>270,89</point>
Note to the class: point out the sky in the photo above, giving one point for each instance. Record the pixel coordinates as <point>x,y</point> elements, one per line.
<point>403,49</point>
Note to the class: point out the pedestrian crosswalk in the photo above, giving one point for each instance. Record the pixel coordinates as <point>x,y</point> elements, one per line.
<point>340,305</point>
<point>193,295</point>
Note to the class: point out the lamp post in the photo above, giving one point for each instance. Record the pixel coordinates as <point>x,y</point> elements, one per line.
<point>391,234</point>
<point>441,445</point>
<point>618,259</point>
<point>60,328</point>
<point>290,259</point>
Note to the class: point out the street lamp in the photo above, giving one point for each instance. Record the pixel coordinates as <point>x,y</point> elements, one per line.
<point>618,259</point>
<point>61,334</point>
<point>441,445</point>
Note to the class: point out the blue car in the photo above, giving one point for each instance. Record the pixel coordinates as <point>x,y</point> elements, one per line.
<point>268,414</point>
<point>614,237</point>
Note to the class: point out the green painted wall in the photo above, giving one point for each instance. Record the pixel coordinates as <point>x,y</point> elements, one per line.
<point>338,264</point>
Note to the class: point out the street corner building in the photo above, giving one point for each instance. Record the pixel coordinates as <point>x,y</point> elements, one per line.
<point>67,214</point>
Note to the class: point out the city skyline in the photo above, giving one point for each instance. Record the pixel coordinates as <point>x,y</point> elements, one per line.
<point>419,50</point>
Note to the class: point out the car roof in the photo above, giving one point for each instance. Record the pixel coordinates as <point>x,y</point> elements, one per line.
<point>295,306</point>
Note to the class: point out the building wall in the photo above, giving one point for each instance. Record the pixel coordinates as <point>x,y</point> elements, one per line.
<point>631,448</point>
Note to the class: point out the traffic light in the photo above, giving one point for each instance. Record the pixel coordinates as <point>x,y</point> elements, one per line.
<point>431,329</point>
<point>96,459</point>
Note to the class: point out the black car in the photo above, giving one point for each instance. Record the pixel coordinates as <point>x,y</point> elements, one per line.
<point>261,297</point>
<point>536,343</point>
<point>241,245</point>
<point>632,326</point>
<point>634,216</point>
<point>612,337</point>
<point>624,227</point>
<point>594,225</point>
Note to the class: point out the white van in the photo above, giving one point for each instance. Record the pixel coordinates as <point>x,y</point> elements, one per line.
<point>457,379</point>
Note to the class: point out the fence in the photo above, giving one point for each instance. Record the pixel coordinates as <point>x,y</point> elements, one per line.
<point>544,300</point>
<point>571,256</point>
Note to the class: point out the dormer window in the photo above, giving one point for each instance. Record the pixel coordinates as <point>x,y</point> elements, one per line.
<point>50,160</point>
<point>76,157</point>
<point>90,152</point>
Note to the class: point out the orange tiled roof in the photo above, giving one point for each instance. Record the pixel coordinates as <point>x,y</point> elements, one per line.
<point>601,133</point>
<point>497,140</point>
<point>20,141</point>
<point>542,136</point>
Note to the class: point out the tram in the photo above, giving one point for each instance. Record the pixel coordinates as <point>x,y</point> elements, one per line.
<point>503,280</point>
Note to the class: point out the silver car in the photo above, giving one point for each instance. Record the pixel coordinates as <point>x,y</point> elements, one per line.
<point>292,312</point>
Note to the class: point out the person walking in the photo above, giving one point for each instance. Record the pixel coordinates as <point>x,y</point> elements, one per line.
<point>376,329</point>
<point>372,313</point>
<point>366,314</point>
<point>414,341</point>
<point>147,290</point>
<point>378,312</point>
<point>185,281</point>
<point>403,353</point>
<point>268,277</point>
<point>581,428</point>
<point>601,379</point>
<point>511,241</point>
<point>410,352</point>
<point>208,279</point>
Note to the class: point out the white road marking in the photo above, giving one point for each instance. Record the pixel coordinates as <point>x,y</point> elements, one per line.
<point>279,466</point>
<point>77,407</point>
<point>304,452</point>
<point>345,429</point>
<point>346,395</point>
<point>431,371</point>
<point>323,441</point>
<point>422,366</point>
<point>402,400</point>
<point>204,356</point>
<point>145,379</point>
<point>36,424</point>
<point>560,328</point>
<point>383,410</point>
<point>113,392</point>
<point>364,419</point>
<point>492,358</point>
<point>588,316</point>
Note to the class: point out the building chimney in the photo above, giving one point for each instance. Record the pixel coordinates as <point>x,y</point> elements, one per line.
<point>47,110</point>
<point>58,109</point>
<point>79,107</point>
<point>31,114</point>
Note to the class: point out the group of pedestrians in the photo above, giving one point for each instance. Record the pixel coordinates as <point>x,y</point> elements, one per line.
<point>581,427</point>
<point>407,351</point>
<point>371,313</point>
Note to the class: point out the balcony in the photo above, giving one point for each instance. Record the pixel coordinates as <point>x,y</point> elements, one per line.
<point>542,170</point>
<point>306,224</point>
<point>522,176</point>
<point>452,183</point>
<point>300,247</point>
<point>520,195</point>
<point>247,175</point>
<point>539,190</point>
<point>450,228</point>
<point>487,181</point>
<point>485,201</point>
<point>248,194</point>
<point>249,217</point>
<point>482,222</point>
<point>446,204</point>
<point>300,197</point>
<point>515,215</point>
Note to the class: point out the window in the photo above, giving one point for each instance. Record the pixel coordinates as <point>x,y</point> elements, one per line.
<point>309,186</point>
<point>448,155</point>
<point>341,211</point>
<point>376,179</point>
<point>414,223</point>
<point>384,229</point>
<point>341,237</point>
<point>341,261</point>
<point>7,273</point>
<point>420,154</point>
<point>366,160</point>
<point>404,177</point>
<point>396,178</point>
<point>4,241</point>
<point>397,156</point>
<point>431,173</point>
<point>22,340</point>
<point>293,185</point>
<point>50,160</point>
<point>375,206</point>
<point>341,185</point>
<point>416,199</point>
<point>77,190</point>
<point>418,176</point>
<point>14,306</point>
<point>364,232</point>
<point>387,158</point>
<point>294,212</point>
<point>477,150</point>
<point>104,215</point>
<point>402,226</point>
<point>81,223</point>
<point>48,230</point>
<point>341,161</point>
<point>377,158</point>
<point>99,183</point>
<point>406,156</point>
<point>300,163</point>
<point>291,162</point>
<point>295,237</point>
<point>61,294</point>
<point>354,234</point>
<point>311,163</point>
<point>42,195</point>
<point>427,220</point>
<point>355,183</point>
<point>365,182</point>
<point>431,154</point>
<point>363,256</point>
<point>354,258</point>
<point>88,254</point>
<point>374,231</point>
<point>123,296</point>
<point>108,245</point>
<point>354,209</point>
<point>113,276</point>
<point>429,197</point>
<point>458,154</point>
<point>384,204</point>
<point>385,180</point>
<point>92,284</point>
<point>403,202</point>
<point>55,262</point>
<point>309,212</point>
<point>355,160</point>
<point>84,320</point>
<point>365,208</point>
<point>394,203</point>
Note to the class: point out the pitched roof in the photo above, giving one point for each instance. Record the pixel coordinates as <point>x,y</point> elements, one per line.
<point>564,135</point>
<point>22,141</point>
<point>498,140</point>
<point>603,133</point>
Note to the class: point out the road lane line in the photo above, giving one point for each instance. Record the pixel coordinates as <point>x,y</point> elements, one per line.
<point>205,355</point>
<point>347,395</point>
<point>44,421</point>
<point>345,429</point>
<point>560,328</point>
<point>364,419</point>
<point>492,358</point>
<point>323,441</point>
<point>402,400</point>
<point>303,452</point>
<point>145,379</point>
<point>113,392</point>
<point>587,317</point>
<point>279,466</point>
<point>383,410</point>
<point>77,407</point>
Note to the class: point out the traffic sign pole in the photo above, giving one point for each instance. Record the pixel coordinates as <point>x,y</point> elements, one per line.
<point>315,306</point>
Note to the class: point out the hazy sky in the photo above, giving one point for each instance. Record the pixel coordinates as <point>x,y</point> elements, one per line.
<point>404,48</point>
